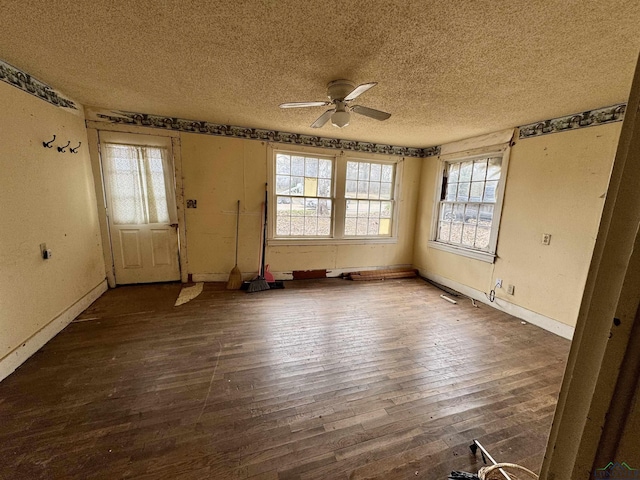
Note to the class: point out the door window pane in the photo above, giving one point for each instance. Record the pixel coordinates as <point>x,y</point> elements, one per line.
<point>137,184</point>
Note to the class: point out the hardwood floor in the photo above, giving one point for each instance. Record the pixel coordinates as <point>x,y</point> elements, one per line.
<point>326,379</point>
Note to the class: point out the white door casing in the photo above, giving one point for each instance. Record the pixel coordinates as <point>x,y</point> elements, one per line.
<point>141,208</point>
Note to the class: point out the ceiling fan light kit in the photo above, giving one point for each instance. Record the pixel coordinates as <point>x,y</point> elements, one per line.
<point>340,118</point>
<point>341,93</point>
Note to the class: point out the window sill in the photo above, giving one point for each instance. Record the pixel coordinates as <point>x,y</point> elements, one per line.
<point>330,241</point>
<point>465,252</point>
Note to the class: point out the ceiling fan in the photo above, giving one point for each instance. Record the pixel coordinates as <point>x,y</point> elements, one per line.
<point>341,93</point>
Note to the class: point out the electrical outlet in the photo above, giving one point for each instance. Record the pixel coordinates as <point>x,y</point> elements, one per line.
<point>498,283</point>
<point>546,238</point>
<point>511,289</point>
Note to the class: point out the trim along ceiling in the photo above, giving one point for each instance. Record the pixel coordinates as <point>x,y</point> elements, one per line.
<point>445,70</point>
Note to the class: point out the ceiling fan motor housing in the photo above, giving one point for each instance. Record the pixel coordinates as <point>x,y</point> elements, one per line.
<point>338,89</point>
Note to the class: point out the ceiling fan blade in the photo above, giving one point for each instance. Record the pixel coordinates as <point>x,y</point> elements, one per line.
<point>304,104</point>
<point>359,90</point>
<point>322,119</point>
<point>370,112</point>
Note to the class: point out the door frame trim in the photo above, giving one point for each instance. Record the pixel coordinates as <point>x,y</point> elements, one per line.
<point>93,133</point>
<point>176,147</point>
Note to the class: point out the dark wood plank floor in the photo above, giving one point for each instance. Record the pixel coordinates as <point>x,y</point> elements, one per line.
<point>327,379</point>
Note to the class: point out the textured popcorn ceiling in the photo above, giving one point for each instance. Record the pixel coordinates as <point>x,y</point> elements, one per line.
<point>446,69</point>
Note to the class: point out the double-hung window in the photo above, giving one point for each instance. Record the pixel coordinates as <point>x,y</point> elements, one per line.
<point>304,186</point>
<point>467,211</point>
<point>369,198</point>
<point>332,198</point>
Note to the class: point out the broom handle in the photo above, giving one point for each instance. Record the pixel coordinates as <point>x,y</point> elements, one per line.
<point>237,230</point>
<point>261,260</point>
<point>264,227</point>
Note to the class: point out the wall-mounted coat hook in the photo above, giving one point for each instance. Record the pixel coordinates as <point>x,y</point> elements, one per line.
<point>62,149</point>
<point>75,150</point>
<point>48,144</point>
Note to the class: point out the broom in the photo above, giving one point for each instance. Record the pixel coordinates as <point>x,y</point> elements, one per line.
<point>235,277</point>
<point>259,284</point>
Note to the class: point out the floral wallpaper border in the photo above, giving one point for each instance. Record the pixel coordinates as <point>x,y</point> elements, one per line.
<point>590,118</point>
<point>25,82</point>
<point>192,126</point>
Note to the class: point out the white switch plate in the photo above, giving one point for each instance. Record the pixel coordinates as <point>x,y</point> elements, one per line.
<point>546,238</point>
<point>498,283</point>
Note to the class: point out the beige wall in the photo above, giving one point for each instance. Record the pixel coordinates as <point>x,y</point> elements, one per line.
<point>555,184</point>
<point>48,197</point>
<point>218,171</point>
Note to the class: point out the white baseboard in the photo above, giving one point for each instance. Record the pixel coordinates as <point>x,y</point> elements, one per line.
<point>549,324</point>
<point>224,277</point>
<point>19,355</point>
<point>335,272</point>
<point>213,277</point>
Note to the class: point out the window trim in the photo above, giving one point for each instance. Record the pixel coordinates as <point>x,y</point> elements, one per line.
<point>485,256</point>
<point>338,199</point>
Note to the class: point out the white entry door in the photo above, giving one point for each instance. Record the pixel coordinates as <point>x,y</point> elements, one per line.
<point>141,207</point>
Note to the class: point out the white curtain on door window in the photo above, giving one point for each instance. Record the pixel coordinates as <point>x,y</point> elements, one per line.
<point>140,183</point>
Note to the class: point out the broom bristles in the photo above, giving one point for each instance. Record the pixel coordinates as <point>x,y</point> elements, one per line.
<point>258,285</point>
<point>235,279</point>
